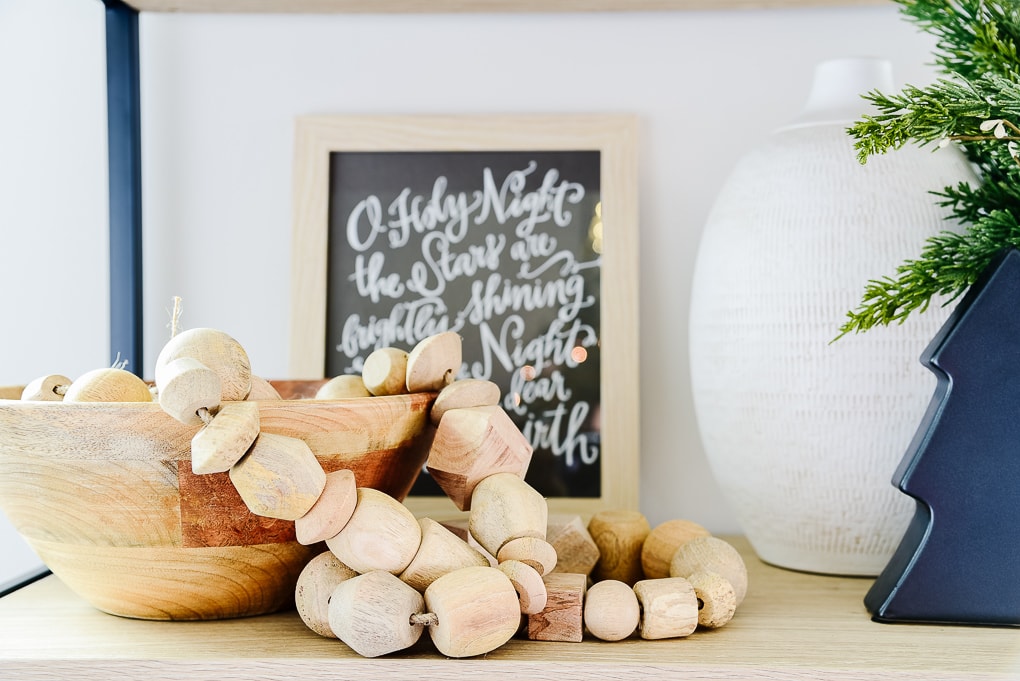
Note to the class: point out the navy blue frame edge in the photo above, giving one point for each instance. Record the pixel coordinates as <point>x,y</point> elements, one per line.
<point>125,144</point>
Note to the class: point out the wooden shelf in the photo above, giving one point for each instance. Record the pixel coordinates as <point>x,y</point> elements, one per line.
<point>791,626</point>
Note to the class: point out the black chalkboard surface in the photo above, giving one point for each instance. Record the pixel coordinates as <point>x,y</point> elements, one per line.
<point>503,247</point>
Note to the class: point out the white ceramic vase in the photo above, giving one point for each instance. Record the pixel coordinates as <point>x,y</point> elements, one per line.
<point>803,434</point>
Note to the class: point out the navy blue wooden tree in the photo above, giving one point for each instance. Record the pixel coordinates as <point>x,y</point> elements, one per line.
<point>959,561</point>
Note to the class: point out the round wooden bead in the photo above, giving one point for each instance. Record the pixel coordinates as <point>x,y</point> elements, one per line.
<point>315,585</point>
<point>669,607</point>
<point>108,385</point>
<point>462,394</point>
<point>477,611</point>
<point>441,551</point>
<point>528,584</point>
<point>619,534</point>
<point>611,610</point>
<point>279,477</point>
<point>504,507</point>
<point>216,350</point>
<point>717,602</point>
<point>711,554</point>
<point>261,389</point>
<point>331,511</point>
<point>434,362</point>
<point>372,613</point>
<point>342,387</point>
<point>49,388</point>
<point>663,541</point>
<point>533,551</point>
<point>382,534</point>
<point>187,386</point>
<point>385,372</point>
<point>225,439</point>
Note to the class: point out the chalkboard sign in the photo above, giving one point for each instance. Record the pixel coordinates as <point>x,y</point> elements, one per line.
<point>504,246</point>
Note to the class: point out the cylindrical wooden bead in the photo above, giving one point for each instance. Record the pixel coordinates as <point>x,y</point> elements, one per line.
<point>226,438</point>
<point>261,389</point>
<point>385,372</point>
<point>372,614</point>
<point>441,551</point>
<point>315,585</point>
<point>331,511</point>
<point>434,362</point>
<point>669,607</point>
<point>279,477</point>
<point>562,619</point>
<point>711,554</point>
<point>663,541</point>
<point>382,534</point>
<point>611,610</point>
<point>49,388</point>
<point>536,552</point>
<point>528,584</point>
<point>477,611</point>
<point>108,385</point>
<point>216,350</point>
<point>716,600</point>
<point>343,387</point>
<point>619,534</point>
<point>187,386</point>
<point>504,507</point>
<point>462,394</point>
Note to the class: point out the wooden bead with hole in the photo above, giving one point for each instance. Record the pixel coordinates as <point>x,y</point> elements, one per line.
<point>562,619</point>
<point>187,386</point>
<point>372,613</point>
<point>477,611</point>
<point>331,511</point>
<point>225,439</point>
<point>440,552</point>
<point>216,350</point>
<point>663,541</point>
<point>717,602</point>
<point>462,394</point>
<point>669,608</point>
<point>536,552</point>
<point>711,554</point>
<point>611,610</point>
<point>385,372</point>
<point>343,387</point>
<point>279,477</point>
<point>315,584</point>
<point>434,362</point>
<point>49,388</point>
<point>382,534</point>
<point>108,385</point>
<point>528,584</point>
<point>619,534</point>
<point>505,507</point>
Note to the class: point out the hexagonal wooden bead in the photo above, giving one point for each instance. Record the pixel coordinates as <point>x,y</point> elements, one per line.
<point>108,385</point>
<point>343,387</point>
<point>669,607</point>
<point>562,619</point>
<point>611,610</point>
<point>186,387</point>
<point>717,602</point>
<point>440,552</point>
<point>711,554</point>
<point>463,394</point>
<point>372,613</point>
<point>332,509</point>
<point>385,372</point>
<point>434,362</point>
<point>472,444</point>
<point>315,585</point>
<point>528,584</point>
<point>576,551</point>
<point>477,611</point>
<point>619,534</point>
<point>663,541</point>
<point>225,439</point>
<point>216,350</point>
<point>382,534</point>
<point>505,507</point>
<point>279,477</point>
<point>49,388</point>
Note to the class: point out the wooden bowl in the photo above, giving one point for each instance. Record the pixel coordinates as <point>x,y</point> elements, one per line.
<point>105,495</point>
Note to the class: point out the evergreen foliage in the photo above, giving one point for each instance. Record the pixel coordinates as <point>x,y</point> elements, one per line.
<point>976,105</point>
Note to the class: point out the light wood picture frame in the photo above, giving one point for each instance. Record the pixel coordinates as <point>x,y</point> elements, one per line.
<point>321,140</point>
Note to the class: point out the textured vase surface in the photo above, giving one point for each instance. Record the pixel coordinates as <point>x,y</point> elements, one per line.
<point>804,434</point>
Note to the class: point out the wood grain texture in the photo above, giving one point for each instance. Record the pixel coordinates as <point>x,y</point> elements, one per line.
<point>446,6</point>
<point>792,626</point>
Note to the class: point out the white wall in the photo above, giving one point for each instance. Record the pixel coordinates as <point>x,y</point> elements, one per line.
<point>220,94</point>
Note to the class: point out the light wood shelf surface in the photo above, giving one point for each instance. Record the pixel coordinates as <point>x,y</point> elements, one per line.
<point>452,6</point>
<point>791,626</point>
